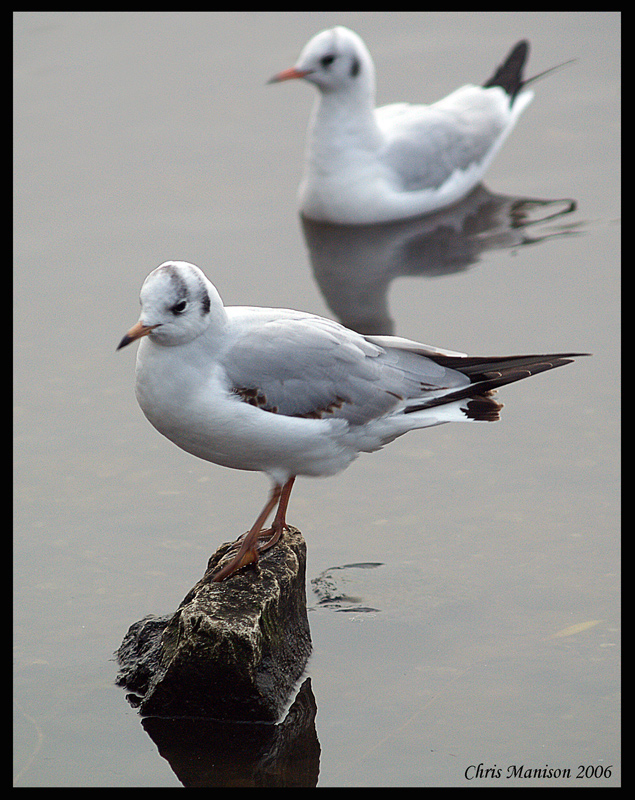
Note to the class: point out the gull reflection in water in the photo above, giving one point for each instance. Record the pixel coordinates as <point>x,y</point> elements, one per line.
<point>354,265</point>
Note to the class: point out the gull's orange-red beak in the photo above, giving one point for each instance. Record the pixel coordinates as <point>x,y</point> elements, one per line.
<point>289,75</point>
<point>136,332</point>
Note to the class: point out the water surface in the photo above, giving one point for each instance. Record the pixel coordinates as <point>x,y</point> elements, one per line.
<point>489,634</point>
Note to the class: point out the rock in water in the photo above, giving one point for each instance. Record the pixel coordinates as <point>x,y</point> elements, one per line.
<point>233,650</point>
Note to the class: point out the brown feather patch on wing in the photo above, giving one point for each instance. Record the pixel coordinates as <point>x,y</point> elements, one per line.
<point>256,397</point>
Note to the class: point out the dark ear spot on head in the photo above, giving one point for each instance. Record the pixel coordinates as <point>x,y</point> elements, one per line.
<point>355,66</point>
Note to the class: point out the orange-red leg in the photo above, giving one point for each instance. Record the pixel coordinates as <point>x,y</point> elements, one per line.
<point>248,552</point>
<point>280,520</point>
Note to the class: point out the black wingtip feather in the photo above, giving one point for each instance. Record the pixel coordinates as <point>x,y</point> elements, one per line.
<point>487,375</point>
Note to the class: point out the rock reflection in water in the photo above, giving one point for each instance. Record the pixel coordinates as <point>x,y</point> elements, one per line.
<point>210,753</point>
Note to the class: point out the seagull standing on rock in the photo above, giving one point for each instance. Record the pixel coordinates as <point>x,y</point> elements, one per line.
<point>289,393</point>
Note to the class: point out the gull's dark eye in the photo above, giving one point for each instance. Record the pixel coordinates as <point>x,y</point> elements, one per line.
<point>179,308</point>
<point>326,61</point>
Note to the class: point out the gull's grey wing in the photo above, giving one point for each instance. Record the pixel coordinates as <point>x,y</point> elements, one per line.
<point>305,366</point>
<point>427,144</point>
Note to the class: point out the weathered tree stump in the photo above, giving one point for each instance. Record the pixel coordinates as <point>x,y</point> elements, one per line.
<point>233,650</point>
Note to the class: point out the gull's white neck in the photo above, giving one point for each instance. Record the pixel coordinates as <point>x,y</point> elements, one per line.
<point>342,124</point>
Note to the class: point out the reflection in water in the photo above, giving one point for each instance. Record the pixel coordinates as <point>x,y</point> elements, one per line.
<point>210,753</point>
<point>354,265</point>
<point>330,588</point>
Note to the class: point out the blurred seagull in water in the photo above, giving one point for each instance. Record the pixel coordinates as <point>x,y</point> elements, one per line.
<point>369,165</point>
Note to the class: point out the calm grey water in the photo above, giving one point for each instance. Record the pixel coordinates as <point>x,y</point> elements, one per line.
<point>495,632</point>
